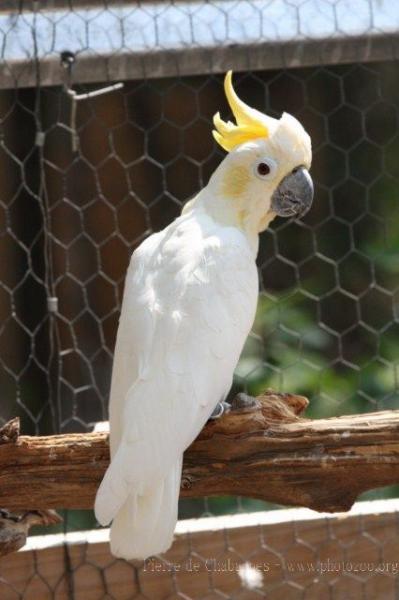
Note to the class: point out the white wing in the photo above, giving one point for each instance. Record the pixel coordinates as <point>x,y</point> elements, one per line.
<point>189,303</point>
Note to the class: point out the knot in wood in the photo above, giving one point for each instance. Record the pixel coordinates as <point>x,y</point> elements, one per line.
<point>186,482</point>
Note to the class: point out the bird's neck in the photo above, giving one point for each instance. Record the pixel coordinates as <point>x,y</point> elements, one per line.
<point>232,212</point>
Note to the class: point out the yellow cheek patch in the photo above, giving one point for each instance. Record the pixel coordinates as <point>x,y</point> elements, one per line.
<point>235,181</point>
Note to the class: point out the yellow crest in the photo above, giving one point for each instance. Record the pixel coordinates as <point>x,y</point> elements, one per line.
<point>250,124</point>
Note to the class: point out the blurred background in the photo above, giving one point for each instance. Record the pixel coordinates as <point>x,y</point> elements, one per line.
<point>327,322</point>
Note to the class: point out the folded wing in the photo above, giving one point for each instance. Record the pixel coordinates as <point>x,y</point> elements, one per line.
<point>189,303</point>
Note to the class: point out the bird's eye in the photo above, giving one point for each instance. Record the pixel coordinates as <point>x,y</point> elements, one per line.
<point>265,168</point>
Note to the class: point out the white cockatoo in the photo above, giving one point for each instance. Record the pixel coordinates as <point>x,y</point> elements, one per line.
<point>189,303</point>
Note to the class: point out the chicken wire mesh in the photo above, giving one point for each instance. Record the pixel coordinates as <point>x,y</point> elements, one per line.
<point>352,558</point>
<point>83,183</point>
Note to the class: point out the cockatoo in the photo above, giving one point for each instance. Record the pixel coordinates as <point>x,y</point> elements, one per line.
<point>189,304</point>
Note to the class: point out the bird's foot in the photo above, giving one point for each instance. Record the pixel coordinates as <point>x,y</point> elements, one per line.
<point>220,409</point>
<point>244,402</point>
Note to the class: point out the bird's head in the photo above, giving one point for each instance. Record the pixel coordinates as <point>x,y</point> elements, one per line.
<point>266,170</point>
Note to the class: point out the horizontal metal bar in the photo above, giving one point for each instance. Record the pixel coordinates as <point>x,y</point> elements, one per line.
<point>30,5</point>
<point>186,38</point>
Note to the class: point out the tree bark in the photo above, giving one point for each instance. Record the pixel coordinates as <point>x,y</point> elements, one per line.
<point>268,452</point>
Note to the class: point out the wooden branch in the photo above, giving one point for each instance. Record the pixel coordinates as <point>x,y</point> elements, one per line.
<point>14,528</point>
<point>10,432</point>
<point>269,452</point>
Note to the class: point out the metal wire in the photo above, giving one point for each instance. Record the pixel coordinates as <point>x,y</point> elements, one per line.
<point>83,183</point>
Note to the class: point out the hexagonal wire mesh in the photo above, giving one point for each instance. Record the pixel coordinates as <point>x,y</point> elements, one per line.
<point>326,325</point>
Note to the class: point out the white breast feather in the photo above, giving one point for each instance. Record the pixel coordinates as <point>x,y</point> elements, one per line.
<point>189,303</point>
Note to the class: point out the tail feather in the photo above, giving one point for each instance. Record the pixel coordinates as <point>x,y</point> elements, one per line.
<point>112,493</point>
<point>145,524</point>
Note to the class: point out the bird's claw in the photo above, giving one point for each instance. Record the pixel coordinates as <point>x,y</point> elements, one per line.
<point>240,402</point>
<point>219,410</point>
<point>244,401</point>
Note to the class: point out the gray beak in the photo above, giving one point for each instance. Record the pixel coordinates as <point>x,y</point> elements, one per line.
<point>294,195</point>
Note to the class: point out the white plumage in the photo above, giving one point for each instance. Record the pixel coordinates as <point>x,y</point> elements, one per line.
<point>189,303</point>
